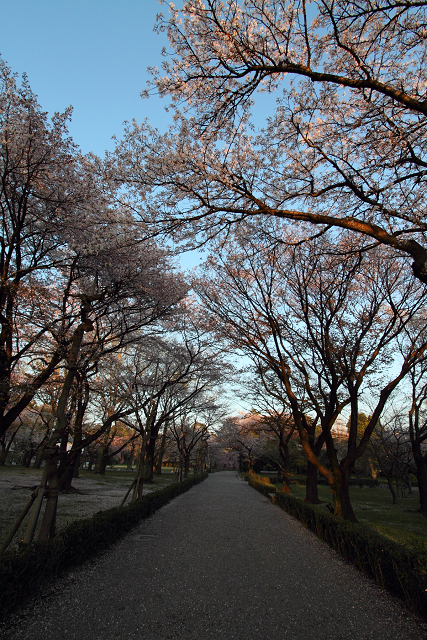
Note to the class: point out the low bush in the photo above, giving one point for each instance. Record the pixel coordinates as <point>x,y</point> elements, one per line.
<point>23,571</point>
<point>400,570</point>
<point>302,479</point>
<point>261,484</point>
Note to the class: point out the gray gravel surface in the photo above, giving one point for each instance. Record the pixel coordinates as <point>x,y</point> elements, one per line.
<point>218,562</point>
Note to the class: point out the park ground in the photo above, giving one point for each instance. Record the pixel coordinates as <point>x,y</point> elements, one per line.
<point>373,506</point>
<point>94,492</point>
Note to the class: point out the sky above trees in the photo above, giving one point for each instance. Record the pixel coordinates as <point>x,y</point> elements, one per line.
<point>90,54</point>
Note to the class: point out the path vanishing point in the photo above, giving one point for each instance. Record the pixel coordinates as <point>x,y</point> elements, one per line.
<point>219,562</point>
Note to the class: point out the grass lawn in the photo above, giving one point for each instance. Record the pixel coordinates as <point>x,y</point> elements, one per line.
<point>374,507</point>
<point>94,493</point>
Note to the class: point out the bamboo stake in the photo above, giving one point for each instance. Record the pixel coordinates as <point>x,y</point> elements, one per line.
<point>32,523</point>
<point>47,529</point>
<point>17,524</point>
<point>128,491</point>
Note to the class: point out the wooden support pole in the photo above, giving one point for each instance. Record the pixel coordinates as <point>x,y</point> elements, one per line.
<point>18,523</point>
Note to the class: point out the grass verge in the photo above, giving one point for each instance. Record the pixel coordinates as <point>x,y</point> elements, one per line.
<point>400,522</point>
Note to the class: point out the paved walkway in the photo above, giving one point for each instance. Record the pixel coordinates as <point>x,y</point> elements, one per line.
<point>220,562</point>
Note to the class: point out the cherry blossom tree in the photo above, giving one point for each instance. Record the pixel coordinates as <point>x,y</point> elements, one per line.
<point>391,449</point>
<point>344,145</point>
<point>327,318</point>
<point>188,437</point>
<point>55,226</point>
<point>184,372</point>
<point>247,436</point>
<point>274,412</point>
<point>39,190</point>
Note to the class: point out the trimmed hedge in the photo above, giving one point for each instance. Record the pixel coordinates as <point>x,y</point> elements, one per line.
<point>400,570</point>
<point>353,482</point>
<point>25,570</point>
<point>262,485</point>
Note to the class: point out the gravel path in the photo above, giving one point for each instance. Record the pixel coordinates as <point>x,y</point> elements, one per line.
<point>219,562</point>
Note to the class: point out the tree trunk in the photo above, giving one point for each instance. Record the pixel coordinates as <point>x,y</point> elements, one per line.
<point>8,298</point>
<point>5,448</point>
<point>48,525</point>
<point>103,466</point>
<point>284,457</point>
<point>161,452</point>
<point>69,469</point>
<point>186,464</point>
<point>60,433</point>
<point>3,452</point>
<point>311,487</point>
<point>76,473</point>
<point>138,483</point>
<point>341,496</point>
<point>100,458</point>
<point>392,489</point>
<point>149,460</point>
<point>131,456</point>
<point>28,456</point>
<point>421,464</point>
<point>39,457</point>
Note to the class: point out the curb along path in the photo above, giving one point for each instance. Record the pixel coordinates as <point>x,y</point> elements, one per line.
<point>219,562</point>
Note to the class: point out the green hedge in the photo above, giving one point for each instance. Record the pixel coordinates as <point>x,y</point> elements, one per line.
<point>262,487</point>
<point>353,482</point>
<point>23,571</point>
<point>400,570</point>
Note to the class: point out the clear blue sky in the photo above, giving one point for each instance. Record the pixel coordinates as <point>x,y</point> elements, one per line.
<point>92,54</point>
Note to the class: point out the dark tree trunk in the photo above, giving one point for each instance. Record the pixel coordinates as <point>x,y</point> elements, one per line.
<point>161,452</point>
<point>68,471</point>
<point>138,484</point>
<point>284,457</point>
<point>186,464</point>
<point>149,459</point>
<point>341,494</point>
<point>100,463</point>
<point>311,487</point>
<point>39,457</point>
<point>60,434</point>
<point>392,489</point>
<point>48,526</point>
<point>3,454</point>
<point>5,448</point>
<point>76,473</point>
<point>421,464</point>
<point>28,456</point>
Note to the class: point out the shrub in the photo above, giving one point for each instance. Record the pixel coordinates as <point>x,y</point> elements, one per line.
<point>24,571</point>
<point>261,484</point>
